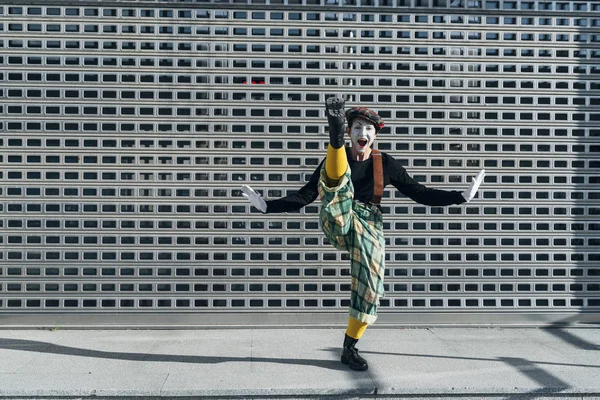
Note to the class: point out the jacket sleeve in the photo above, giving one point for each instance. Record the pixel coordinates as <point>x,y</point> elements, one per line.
<point>418,192</point>
<point>295,201</point>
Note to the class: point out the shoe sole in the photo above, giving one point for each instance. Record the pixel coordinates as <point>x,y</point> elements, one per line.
<point>335,106</point>
<point>344,361</point>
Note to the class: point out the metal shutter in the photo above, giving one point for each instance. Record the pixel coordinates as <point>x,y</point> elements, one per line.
<point>129,127</point>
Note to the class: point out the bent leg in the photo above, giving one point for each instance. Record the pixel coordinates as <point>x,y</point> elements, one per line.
<point>337,216</point>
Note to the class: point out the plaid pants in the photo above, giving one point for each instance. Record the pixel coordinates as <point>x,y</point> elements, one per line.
<point>358,229</point>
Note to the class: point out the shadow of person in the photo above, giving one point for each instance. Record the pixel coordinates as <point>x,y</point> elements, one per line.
<point>51,348</point>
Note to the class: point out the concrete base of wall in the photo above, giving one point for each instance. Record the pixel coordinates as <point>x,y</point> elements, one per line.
<point>169,320</point>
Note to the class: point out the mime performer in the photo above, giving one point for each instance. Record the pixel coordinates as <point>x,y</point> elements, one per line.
<point>350,182</point>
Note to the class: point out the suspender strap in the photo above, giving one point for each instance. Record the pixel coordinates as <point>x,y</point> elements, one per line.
<point>377,177</point>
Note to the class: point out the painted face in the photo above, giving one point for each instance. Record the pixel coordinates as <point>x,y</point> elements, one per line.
<point>362,134</point>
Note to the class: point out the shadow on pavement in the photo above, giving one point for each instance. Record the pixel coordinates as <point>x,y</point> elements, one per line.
<point>499,359</point>
<point>571,339</point>
<point>43,347</point>
<point>536,374</point>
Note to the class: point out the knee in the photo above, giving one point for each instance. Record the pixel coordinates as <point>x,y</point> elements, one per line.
<point>340,237</point>
<point>338,224</point>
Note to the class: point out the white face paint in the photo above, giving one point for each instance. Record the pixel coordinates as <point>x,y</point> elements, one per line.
<point>362,134</point>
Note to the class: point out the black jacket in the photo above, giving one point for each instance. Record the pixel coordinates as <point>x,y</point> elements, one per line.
<point>362,179</point>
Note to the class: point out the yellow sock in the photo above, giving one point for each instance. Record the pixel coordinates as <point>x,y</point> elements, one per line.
<point>336,163</point>
<point>355,328</point>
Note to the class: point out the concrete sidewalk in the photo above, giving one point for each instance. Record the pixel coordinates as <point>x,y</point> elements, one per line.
<point>300,363</point>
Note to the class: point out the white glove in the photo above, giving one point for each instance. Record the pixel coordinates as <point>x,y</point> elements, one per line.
<point>470,192</point>
<point>254,198</point>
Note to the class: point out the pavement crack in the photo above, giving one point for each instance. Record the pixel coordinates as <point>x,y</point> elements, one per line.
<point>162,388</point>
<point>444,341</point>
<point>251,345</point>
<point>36,353</point>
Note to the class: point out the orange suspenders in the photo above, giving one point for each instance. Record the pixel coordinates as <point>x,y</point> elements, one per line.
<point>377,177</point>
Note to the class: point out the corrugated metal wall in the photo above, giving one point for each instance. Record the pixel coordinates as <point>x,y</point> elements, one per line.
<point>129,127</point>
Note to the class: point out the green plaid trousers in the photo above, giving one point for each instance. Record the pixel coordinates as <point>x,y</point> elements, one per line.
<point>357,228</point>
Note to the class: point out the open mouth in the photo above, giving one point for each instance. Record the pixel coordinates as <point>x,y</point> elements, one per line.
<point>362,142</point>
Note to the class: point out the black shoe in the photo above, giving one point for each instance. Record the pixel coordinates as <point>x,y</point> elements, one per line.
<point>350,355</point>
<point>334,108</point>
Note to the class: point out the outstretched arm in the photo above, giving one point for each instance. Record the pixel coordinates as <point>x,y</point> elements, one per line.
<point>293,202</point>
<point>420,193</point>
